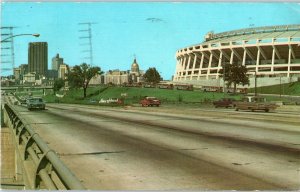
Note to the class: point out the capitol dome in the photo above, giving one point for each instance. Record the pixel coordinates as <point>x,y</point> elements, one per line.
<point>135,67</point>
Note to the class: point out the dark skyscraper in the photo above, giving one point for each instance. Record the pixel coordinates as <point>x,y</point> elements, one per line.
<point>38,57</point>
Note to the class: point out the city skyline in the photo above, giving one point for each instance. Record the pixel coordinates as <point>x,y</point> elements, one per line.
<point>151,31</point>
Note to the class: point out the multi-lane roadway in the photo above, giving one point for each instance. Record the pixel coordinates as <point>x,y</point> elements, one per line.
<point>169,148</point>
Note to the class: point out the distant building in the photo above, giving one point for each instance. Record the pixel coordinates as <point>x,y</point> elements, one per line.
<point>52,74</point>
<point>63,71</point>
<point>56,62</point>
<point>97,80</point>
<point>136,75</point>
<point>117,77</point>
<point>38,57</point>
<point>23,68</point>
<point>17,73</point>
<point>30,78</point>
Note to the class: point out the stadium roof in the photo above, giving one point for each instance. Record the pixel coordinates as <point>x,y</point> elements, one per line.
<point>262,33</point>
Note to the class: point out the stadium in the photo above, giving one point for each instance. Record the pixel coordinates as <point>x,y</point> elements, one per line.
<point>271,54</point>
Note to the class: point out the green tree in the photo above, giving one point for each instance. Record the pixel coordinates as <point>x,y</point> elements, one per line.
<point>58,84</point>
<point>235,74</point>
<point>152,76</point>
<point>81,75</point>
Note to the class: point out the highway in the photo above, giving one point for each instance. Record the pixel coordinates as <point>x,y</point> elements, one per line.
<point>173,149</point>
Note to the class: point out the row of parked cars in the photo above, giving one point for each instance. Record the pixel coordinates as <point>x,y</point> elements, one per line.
<point>252,103</point>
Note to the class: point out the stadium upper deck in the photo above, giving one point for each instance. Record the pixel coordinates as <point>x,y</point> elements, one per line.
<point>269,51</point>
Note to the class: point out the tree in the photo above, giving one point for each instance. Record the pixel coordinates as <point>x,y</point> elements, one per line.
<point>58,84</point>
<point>152,76</point>
<point>81,75</point>
<point>235,74</point>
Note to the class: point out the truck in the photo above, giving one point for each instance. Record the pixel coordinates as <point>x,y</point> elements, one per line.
<point>255,103</point>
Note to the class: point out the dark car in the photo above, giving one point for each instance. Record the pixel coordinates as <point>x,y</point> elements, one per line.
<point>225,102</point>
<point>35,103</point>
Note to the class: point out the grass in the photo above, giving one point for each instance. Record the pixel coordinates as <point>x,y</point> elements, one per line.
<point>94,94</point>
<point>171,97</point>
<point>283,89</point>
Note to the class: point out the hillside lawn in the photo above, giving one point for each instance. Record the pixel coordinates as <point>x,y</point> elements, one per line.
<point>134,95</point>
<point>168,97</point>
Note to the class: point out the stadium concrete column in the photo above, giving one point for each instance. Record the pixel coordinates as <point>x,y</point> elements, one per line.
<point>183,66</point>
<point>289,61</point>
<point>201,65</point>
<point>273,58</point>
<point>177,68</point>
<point>194,63</point>
<point>180,67</point>
<point>209,65</point>
<point>244,57</point>
<point>220,64</point>
<point>257,60</point>
<point>231,57</point>
<point>188,67</point>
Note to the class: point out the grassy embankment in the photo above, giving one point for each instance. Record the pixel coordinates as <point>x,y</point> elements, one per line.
<point>290,89</point>
<point>178,97</point>
<point>94,94</point>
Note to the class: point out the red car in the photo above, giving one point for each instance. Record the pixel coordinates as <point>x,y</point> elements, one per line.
<point>225,102</point>
<point>150,101</point>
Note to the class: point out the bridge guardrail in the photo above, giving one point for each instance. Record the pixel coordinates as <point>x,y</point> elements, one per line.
<point>42,166</point>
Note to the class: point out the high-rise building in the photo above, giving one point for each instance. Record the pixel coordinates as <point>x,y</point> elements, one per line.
<point>63,71</point>
<point>56,62</point>
<point>17,73</point>
<point>24,69</point>
<point>38,57</point>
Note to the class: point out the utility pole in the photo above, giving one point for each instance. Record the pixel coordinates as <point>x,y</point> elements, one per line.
<point>224,79</point>
<point>255,78</point>
<point>8,45</point>
<point>87,35</point>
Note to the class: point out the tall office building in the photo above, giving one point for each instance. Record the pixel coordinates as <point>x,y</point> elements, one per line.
<point>38,57</point>
<point>56,62</point>
<point>63,71</point>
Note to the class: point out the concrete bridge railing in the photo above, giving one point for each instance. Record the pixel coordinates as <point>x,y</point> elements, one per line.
<point>37,165</point>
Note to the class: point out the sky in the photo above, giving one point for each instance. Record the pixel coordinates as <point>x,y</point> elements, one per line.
<point>150,31</point>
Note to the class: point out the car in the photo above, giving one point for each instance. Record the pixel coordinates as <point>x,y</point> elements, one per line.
<point>225,102</point>
<point>255,103</point>
<point>150,101</point>
<point>35,103</point>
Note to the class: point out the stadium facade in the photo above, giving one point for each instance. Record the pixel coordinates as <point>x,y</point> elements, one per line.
<point>272,54</point>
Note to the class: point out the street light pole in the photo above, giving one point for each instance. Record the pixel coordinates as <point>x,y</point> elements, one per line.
<point>255,84</point>
<point>35,35</point>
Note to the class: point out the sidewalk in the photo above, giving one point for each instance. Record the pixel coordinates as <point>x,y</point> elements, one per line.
<point>8,161</point>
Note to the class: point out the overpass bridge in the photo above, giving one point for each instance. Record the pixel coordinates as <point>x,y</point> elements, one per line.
<point>33,165</point>
<point>15,88</point>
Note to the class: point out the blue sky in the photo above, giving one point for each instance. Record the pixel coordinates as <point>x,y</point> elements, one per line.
<point>151,31</point>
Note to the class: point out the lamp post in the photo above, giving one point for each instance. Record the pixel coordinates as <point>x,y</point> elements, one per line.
<point>255,83</point>
<point>35,35</point>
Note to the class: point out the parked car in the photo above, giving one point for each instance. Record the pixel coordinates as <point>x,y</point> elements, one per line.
<point>255,103</point>
<point>225,102</point>
<point>150,101</point>
<point>35,103</point>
